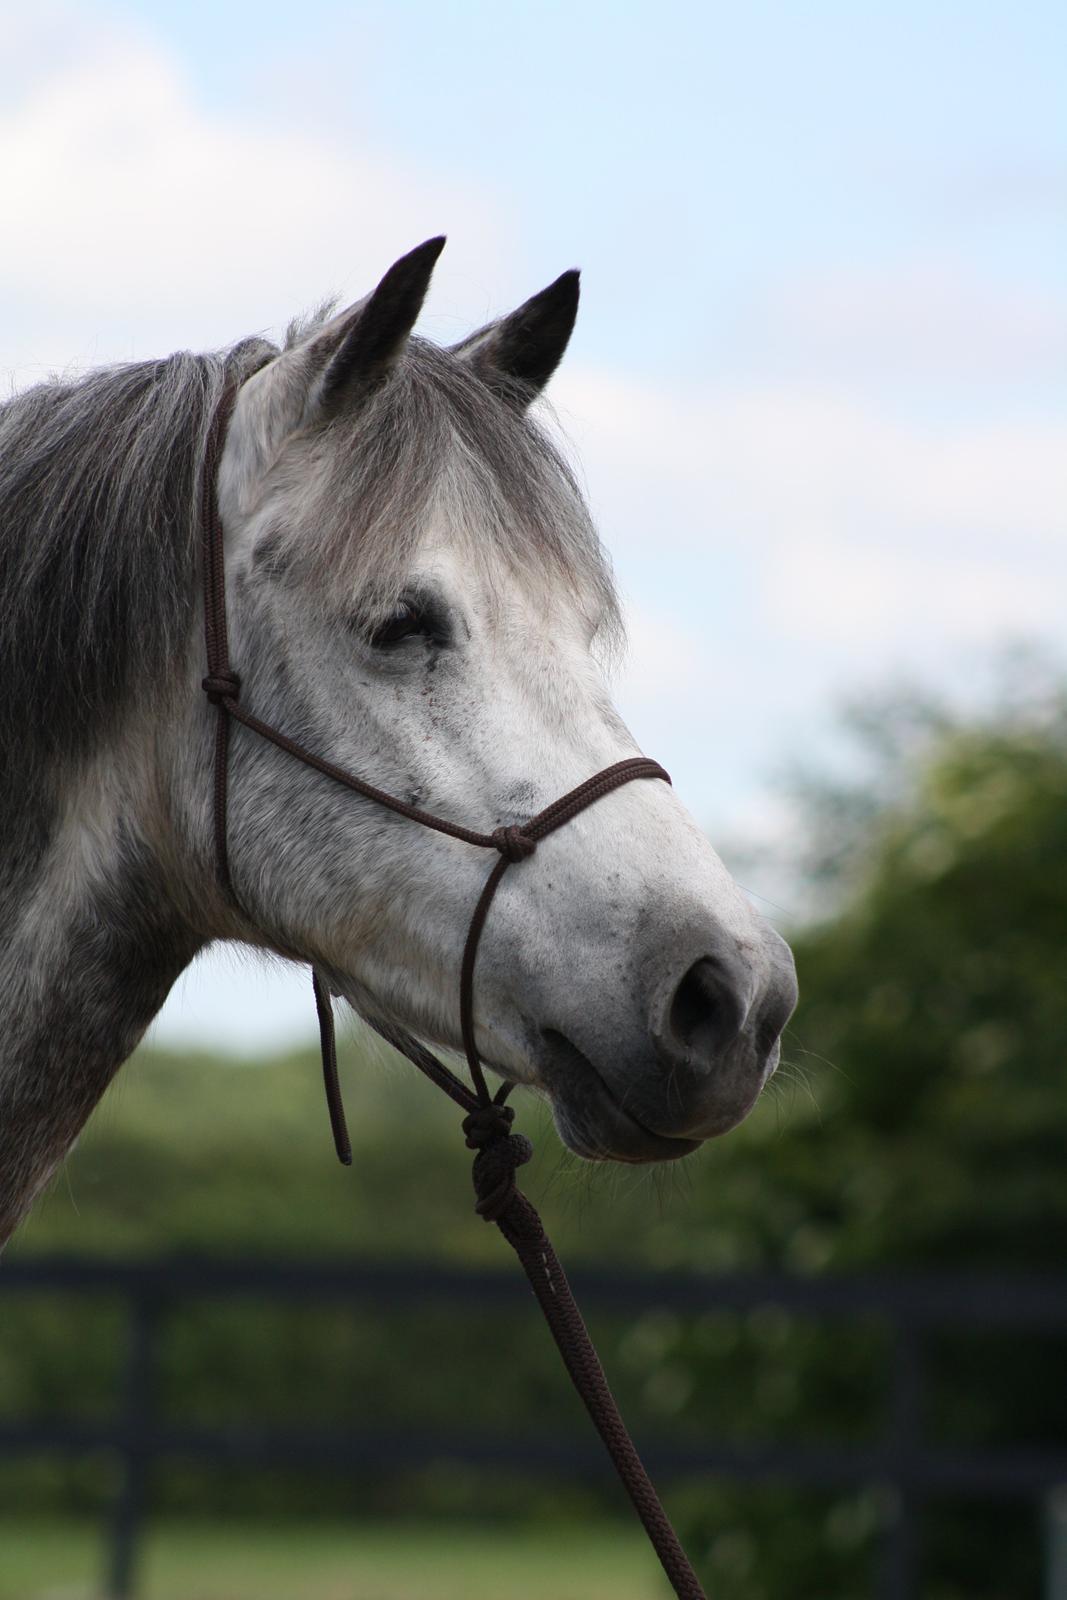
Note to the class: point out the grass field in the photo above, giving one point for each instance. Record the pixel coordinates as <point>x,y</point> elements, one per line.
<point>47,1560</point>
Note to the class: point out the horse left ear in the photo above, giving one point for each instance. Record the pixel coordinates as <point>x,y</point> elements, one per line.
<point>377,329</point>
<point>517,355</point>
<point>341,359</point>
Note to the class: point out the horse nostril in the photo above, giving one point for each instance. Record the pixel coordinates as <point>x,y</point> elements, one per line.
<point>707,1011</point>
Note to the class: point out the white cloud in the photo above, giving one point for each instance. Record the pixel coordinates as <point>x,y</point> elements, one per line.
<point>665,655</point>
<point>782,455</point>
<point>1001,191</point>
<point>878,598</point>
<point>924,317</point>
<point>143,218</point>
<point>843,511</point>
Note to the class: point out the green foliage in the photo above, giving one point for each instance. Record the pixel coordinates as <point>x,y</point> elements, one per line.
<point>938,994</point>
<point>919,1123</point>
<point>933,1032</point>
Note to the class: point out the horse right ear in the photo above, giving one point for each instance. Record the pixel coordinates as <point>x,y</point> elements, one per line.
<point>348,355</point>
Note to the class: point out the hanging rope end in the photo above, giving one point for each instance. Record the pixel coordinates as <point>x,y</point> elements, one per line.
<point>493,1172</point>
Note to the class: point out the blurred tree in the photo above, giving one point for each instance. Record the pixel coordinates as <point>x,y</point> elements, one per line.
<point>936,992</point>
<point>933,1034</point>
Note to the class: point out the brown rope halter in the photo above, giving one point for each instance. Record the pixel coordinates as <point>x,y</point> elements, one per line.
<point>487,1124</point>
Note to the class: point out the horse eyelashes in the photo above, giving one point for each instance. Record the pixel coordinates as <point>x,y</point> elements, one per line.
<point>410,617</point>
<point>403,622</point>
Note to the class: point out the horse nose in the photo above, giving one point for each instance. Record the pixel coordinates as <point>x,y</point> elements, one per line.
<point>708,1010</point>
<point>724,1003</point>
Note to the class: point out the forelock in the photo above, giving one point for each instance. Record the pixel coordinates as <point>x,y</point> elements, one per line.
<point>433,441</point>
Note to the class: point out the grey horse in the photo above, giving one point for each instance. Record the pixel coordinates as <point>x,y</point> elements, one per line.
<point>417,593</point>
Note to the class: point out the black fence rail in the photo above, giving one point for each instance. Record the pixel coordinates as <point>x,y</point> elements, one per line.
<point>900,1460</point>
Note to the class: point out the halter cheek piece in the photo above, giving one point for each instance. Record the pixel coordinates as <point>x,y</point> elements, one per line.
<point>487,1124</point>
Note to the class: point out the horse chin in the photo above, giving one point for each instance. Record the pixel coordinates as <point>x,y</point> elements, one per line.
<point>616,1136</point>
<point>590,1119</point>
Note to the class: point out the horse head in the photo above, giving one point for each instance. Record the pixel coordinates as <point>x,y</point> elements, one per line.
<point>416,592</point>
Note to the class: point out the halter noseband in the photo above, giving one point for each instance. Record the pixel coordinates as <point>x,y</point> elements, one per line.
<point>487,1125</point>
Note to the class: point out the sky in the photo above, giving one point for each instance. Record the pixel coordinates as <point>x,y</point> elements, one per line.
<point>817,388</point>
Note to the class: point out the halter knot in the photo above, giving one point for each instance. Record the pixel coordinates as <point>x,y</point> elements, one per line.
<point>486,1123</point>
<point>513,843</point>
<point>494,1173</point>
<point>219,686</point>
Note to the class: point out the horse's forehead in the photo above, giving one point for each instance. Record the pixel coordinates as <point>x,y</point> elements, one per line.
<point>371,502</point>
<point>482,574</point>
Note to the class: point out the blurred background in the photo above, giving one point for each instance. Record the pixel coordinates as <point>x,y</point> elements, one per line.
<point>816,395</point>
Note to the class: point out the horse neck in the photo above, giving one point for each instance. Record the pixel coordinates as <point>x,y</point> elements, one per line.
<point>92,943</point>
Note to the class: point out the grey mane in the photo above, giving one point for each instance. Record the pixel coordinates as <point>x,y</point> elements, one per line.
<point>100,517</point>
<point>99,512</point>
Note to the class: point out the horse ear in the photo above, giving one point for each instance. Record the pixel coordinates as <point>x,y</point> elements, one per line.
<point>517,355</point>
<point>309,378</point>
<point>375,331</point>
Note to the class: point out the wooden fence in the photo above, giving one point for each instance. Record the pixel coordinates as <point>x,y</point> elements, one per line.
<point>900,1460</point>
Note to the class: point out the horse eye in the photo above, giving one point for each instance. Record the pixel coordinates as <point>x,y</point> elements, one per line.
<point>404,620</point>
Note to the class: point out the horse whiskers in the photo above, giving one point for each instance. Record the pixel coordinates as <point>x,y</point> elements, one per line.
<point>791,1076</point>
<point>821,1059</point>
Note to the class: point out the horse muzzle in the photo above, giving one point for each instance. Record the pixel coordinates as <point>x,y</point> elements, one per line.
<point>711,1043</point>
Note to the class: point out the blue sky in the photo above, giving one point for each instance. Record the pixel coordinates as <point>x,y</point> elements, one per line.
<point>817,386</point>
